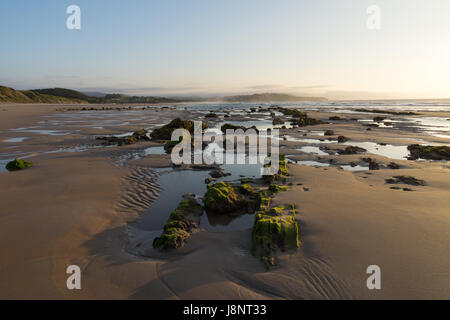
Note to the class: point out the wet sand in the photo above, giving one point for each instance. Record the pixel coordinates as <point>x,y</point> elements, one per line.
<point>83,208</point>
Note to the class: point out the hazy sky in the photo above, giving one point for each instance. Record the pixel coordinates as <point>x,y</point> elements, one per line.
<point>163,47</point>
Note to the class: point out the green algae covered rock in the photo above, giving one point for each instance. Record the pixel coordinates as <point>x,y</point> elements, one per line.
<point>222,198</point>
<point>17,164</point>
<point>168,146</point>
<point>263,201</point>
<point>179,225</point>
<point>246,189</point>
<point>165,132</point>
<point>429,152</point>
<point>276,188</point>
<point>271,232</point>
<point>280,175</point>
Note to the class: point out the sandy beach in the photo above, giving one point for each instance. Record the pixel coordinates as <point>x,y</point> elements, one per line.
<point>100,207</point>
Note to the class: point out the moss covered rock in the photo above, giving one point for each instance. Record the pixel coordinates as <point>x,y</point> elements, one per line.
<point>276,188</point>
<point>141,134</point>
<point>263,199</point>
<point>165,132</point>
<point>222,198</point>
<point>280,175</point>
<point>179,225</point>
<point>429,152</point>
<point>168,146</point>
<point>271,232</point>
<point>17,164</point>
<point>246,189</point>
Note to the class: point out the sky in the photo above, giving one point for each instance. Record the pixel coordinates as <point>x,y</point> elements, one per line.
<point>220,47</point>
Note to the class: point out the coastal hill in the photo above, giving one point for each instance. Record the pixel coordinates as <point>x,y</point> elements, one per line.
<point>270,97</point>
<point>68,96</point>
<point>9,95</point>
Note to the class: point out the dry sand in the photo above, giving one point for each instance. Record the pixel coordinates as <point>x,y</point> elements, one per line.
<point>74,208</point>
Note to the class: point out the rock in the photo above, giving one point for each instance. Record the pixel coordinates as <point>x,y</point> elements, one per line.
<point>277,121</point>
<point>278,176</point>
<point>135,137</point>
<point>329,133</point>
<point>246,189</point>
<point>229,126</point>
<point>271,231</point>
<point>276,188</point>
<point>379,119</point>
<point>218,173</point>
<point>335,118</point>
<point>141,134</point>
<point>352,150</point>
<point>393,165</point>
<point>221,198</point>
<point>429,152</point>
<point>168,146</point>
<point>211,115</point>
<point>405,180</point>
<point>127,140</point>
<point>342,139</point>
<point>373,165</point>
<point>18,164</point>
<point>179,225</point>
<point>165,132</point>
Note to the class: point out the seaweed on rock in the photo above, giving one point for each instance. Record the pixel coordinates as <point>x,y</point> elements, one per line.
<point>179,225</point>
<point>222,198</point>
<point>18,164</point>
<point>271,232</point>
